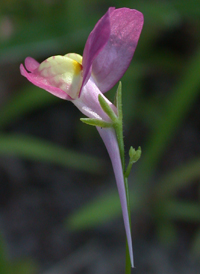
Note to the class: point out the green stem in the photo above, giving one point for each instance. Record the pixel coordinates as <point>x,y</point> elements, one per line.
<point>118,126</point>
<point>117,123</point>
<point>128,261</point>
<point>128,170</point>
<point>119,133</point>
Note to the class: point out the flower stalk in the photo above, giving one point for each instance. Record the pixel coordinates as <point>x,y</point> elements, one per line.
<point>133,154</point>
<point>120,139</point>
<point>119,132</point>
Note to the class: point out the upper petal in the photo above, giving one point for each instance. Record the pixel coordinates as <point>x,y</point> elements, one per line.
<point>114,59</point>
<point>95,43</point>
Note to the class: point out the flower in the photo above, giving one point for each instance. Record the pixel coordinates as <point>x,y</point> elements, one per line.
<point>107,55</point>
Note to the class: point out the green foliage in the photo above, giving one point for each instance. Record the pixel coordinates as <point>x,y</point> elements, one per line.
<point>43,28</point>
<point>29,99</point>
<point>183,95</point>
<point>40,150</point>
<point>24,266</point>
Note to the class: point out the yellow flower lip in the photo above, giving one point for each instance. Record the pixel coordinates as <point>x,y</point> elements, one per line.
<point>63,72</point>
<point>77,67</point>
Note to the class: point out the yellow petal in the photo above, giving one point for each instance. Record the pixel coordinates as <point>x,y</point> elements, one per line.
<point>62,72</point>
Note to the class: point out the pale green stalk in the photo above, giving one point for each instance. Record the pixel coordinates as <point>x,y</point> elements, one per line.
<point>119,132</point>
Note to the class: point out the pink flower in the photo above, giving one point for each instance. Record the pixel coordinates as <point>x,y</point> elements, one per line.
<point>107,55</point>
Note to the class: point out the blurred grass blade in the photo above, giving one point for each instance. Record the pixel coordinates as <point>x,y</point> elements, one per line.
<point>22,266</point>
<point>178,178</point>
<point>41,150</point>
<point>196,245</point>
<point>181,210</point>
<point>29,99</point>
<point>101,209</point>
<point>39,44</point>
<point>160,13</point>
<point>4,263</point>
<point>179,103</point>
<point>166,231</point>
<point>97,211</point>
<point>187,8</point>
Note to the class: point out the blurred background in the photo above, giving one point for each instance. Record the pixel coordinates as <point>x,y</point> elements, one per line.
<point>59,206</point>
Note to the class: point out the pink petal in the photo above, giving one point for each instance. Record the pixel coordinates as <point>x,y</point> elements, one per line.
<point>88,102</point>
<point>95,43</point>
<point>42,83</point>
<point>109,138</point>
<point>31,64</point>
<point>114,59</point>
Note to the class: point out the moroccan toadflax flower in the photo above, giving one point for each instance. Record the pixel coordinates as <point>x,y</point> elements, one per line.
<point>107,55</point>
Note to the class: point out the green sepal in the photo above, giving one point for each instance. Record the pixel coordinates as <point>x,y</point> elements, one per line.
<point>95,122</point>
<point>107,109</point>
